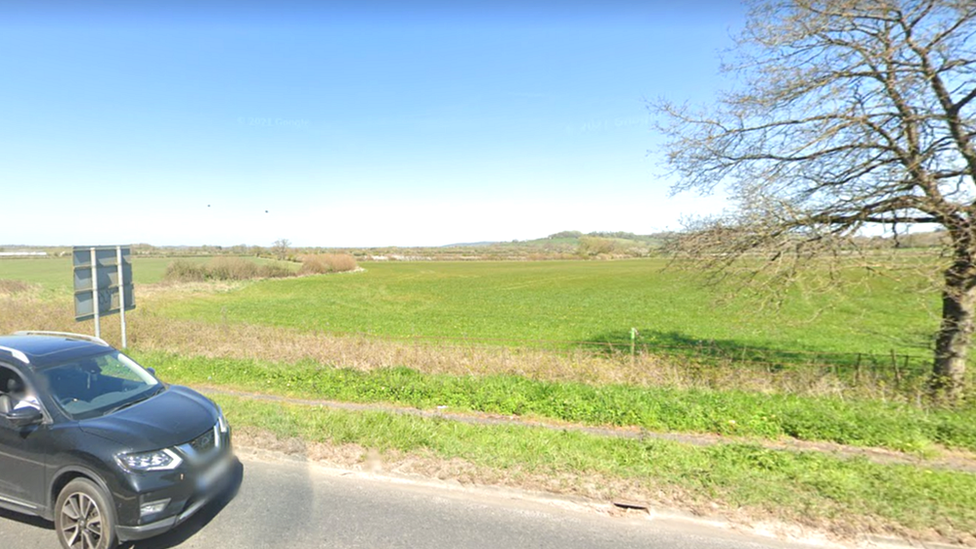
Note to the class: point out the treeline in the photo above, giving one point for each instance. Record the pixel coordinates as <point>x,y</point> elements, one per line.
<point>622,235</point>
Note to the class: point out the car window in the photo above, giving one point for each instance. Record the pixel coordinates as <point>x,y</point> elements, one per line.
<point>98,385</point>
<point>16,392</point>
<point>113,366</point>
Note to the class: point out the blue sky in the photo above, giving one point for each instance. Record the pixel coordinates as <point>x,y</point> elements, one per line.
<point>345,124</point>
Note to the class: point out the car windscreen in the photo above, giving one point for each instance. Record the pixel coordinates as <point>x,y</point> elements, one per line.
<point>98,385</point>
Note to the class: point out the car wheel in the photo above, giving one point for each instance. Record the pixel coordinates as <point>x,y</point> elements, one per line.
<point>83,517</point>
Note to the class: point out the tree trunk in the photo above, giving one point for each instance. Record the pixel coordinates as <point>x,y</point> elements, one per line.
<point>956,330</point>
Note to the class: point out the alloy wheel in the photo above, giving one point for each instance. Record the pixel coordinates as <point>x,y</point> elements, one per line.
<point>81,522</point>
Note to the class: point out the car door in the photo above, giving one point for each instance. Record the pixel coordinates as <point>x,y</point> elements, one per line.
<point>22,459</point>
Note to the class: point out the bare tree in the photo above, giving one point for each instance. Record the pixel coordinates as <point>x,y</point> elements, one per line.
<point>280,248</point>
<point>847,114</point>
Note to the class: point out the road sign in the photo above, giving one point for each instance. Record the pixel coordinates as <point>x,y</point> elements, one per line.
<point>102,283</point>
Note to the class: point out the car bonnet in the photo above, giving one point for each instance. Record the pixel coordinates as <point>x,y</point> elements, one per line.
<point>175,416</point>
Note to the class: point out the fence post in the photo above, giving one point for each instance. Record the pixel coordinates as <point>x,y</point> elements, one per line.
<point>894,363</point>
<point>633,346</point>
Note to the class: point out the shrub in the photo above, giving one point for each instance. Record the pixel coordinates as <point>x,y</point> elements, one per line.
<point>232,268</point>
<point>182,270</point>
<point>594,245</point>
<point>328,263</point>
<point>223,269</point>
<point>273,270</point>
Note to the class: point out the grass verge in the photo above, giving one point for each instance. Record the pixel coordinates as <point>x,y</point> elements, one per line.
<point>841,495</point>
<point>852,422</point>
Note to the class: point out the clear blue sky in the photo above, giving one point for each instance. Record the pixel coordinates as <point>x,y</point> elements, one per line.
<point>350,124</point>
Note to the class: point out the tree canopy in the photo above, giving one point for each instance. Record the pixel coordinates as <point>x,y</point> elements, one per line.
<point>844,114</point>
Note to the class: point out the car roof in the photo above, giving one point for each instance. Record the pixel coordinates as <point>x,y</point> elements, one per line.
<point>38,351</point>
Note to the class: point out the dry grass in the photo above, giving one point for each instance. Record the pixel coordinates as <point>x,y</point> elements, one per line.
<point>15,287</point>
<point>328,263</point>
<point>150,332</point>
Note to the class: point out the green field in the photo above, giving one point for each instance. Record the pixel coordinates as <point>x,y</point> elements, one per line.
<point>529,303</point>
<point>523,302</point>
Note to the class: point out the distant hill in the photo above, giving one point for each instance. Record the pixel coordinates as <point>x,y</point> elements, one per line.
<point>566,237</point>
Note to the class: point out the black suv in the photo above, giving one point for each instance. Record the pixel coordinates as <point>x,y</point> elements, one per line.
<point>96,443</point>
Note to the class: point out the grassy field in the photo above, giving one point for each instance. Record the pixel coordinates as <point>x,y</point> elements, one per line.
<point>523,302</point>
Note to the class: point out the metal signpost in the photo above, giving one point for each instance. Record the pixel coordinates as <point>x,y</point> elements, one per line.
<point>103,283</point>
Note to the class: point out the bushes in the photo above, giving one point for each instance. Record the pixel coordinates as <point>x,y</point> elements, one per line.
<point>183,270</point>
<point>232,268</point>
<point>274,270</point>
<point>328,263</point>
<point>223,268</point>
<point>227,268</point>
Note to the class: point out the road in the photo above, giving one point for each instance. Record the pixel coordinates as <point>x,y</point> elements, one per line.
<point>300,505</point>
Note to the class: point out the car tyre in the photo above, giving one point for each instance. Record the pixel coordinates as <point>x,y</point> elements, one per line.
<point>83,517</point>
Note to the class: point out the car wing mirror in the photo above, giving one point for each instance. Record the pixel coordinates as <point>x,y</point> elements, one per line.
<point>152,371</point>
<point>22,417</point>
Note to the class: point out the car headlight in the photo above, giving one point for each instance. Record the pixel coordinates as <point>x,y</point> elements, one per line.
<point>222,421</point>
<point>157,460</point>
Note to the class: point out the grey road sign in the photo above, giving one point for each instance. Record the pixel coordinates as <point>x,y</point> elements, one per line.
<point>102,283</point>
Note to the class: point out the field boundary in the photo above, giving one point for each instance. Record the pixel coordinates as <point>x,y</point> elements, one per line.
<point>953,461</point>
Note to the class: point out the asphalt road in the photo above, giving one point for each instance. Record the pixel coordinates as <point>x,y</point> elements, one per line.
<point>300,505</point>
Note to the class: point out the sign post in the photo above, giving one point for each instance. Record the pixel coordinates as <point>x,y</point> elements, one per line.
<point>103,284</point>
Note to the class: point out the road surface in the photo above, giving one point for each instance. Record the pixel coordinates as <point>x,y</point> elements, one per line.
<point>300,505</point>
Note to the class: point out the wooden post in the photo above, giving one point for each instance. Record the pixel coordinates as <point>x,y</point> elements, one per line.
<point>894,363</point>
